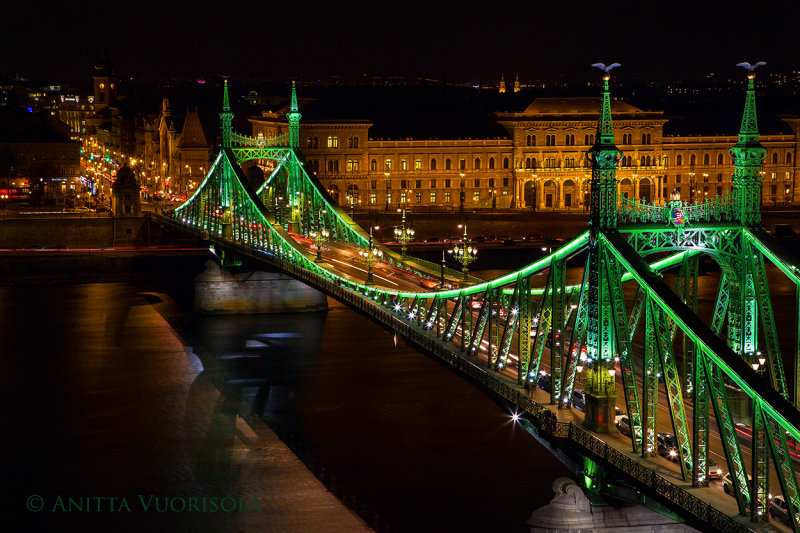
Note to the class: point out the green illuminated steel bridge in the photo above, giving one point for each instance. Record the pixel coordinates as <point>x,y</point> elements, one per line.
<point>504,332</point>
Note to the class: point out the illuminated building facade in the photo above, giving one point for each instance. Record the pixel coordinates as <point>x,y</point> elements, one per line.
<point>535,160</point>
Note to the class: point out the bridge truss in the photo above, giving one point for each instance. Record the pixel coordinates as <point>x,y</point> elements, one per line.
<point>568,311</point>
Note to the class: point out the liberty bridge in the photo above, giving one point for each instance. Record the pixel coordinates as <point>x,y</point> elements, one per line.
<point>503,333</point>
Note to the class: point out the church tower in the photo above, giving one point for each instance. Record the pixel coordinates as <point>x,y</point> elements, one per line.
<point>516,84</point>
<point>105,82</point>
<point>502,84</point>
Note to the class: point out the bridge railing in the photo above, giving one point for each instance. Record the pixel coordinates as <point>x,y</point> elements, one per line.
<point>719,209</point>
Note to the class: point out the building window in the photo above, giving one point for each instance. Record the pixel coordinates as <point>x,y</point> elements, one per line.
<point>505,162</point>
<point>788,158</point>
<point>349,142</point>
<point>550,140</point>
<point>491,182</point>
<point>569,162</point>
<point>433,164</point>
<point>404,184</point>
<point>477,182</point>
<point>373,165</point>
<point>447,197</point>
<point>719,159</point>
<point>569,139</point>
<point>491,163</point>
<point>477,163</point>
<point>476,196</point>
<point>418,164</point>
<point>418,184</point>
<point>403,197</point>
<point>527,162</point>
<point>719,176</point>
<point>678,160</point>
<point>433,197</point>
<point>373,198</point>
<point>373,184</point>
<point>706,160</point>
<point>310,143</point>
<point>447,164</point>
<point>678,178</point>
<point>387,165</point>
<point>586,139</point>
<point>418,197</point>
<point>352,165</point>
<point>646,137</point>
<point>550,162</point>
<point>462,164</point>
<point>388,198</point>
<point>505,182</point>
<point>692,160</point>
<point>774,158</point>
<point>333,142</point>
<point>447,183</point>
<point>403,164</point>
<point>533,162</point>
<point>433,184</point>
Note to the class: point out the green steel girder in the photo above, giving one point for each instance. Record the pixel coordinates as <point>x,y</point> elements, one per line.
<point>613,284</point>
<point>541,322</point>
<point>649,381</point>
<point>784,468</point>
<point>727,431</point>
<point>700,423</point>
<point>776,372</point>
<point>510,327</point>
<point>577,339</point>
<point>720,240</point>
<point>721,304</point>
<point>673,387</point>
<point>557,329</point>
<point>480,324</point>
<point>524,336</point>
<point>690,299</point>
<point>494,328</point>
<point>759,488</point>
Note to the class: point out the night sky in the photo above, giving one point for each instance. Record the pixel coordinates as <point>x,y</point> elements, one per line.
<point>466,41</point>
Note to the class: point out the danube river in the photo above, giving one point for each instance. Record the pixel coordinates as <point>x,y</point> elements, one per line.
<point>117,390</point>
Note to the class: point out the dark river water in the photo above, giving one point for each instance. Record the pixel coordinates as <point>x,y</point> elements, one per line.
<point>118,390</point>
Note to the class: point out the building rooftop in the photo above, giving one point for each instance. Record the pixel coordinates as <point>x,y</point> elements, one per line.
<point>576,106</point>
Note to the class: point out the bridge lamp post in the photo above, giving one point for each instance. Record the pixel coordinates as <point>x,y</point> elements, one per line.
<point>403,235</point>
<point>320,237</point>
<point>370,256</point>
<point>464,254</point>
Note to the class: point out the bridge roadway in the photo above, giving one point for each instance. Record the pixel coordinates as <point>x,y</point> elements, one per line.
<point>345,258</point>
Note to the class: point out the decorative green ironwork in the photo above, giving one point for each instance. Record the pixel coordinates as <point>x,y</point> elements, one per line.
<point>747,156</point>
<point>294,117</point>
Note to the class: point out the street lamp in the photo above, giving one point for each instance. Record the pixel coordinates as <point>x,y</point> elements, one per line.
<point>691,187</point>
<point>320,237</point>
<point>464,254</point>
<point>371,256</point>
<point>403,236</point>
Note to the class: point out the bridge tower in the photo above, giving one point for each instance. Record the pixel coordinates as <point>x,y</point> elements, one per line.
<point>748,154</point>
<point>600,335</point>
<point>294,117</point>
<point>226,117</point>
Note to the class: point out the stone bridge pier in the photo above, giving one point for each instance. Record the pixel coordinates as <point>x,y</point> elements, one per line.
<point>218,291</point>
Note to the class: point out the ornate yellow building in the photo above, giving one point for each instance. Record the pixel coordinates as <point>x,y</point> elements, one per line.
<point>536,160</point>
